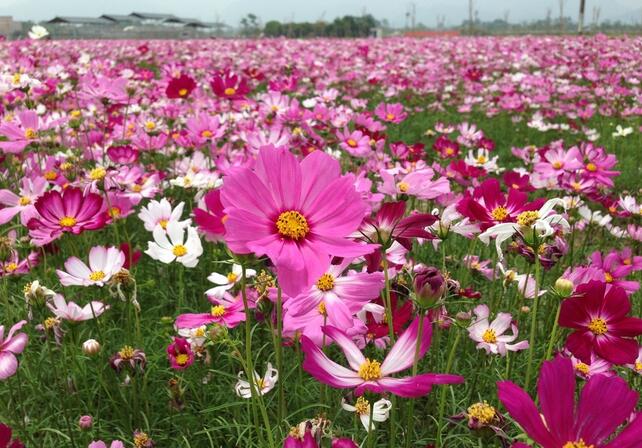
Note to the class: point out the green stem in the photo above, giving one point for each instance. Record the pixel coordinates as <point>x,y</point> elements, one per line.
<point>279,353</point>
<point>415,365</point>
<point>551,341</point>
<point>391,331</point>
<point>531,343</point>
<point>442,396</point>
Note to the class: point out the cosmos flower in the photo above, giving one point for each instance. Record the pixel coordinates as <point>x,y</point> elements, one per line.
<point>490,335</point>
<point>38,32</point>
<point>70,211</point>
<point>180,87</point>
<point>365,374</point>
<point>598,316</point>
<point>391,113</point>
<point>209,216</point>
<point>356,143</point>
<point>71,312</point>
<point>172,244</point>
<point>296,213</point>
<point>11,344</point>
<point>227,282</point>
<point>263,384</point>
<point>605,403</point>
<point>227,312</point>
<point>180,354</point>
<point>104,262</point>
<point>416,183</point>
<point>22,204</point>
<point>229,85</point>
<point>380,411</point>
<point>160,213</point>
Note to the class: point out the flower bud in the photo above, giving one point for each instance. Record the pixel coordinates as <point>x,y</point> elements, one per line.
<point>429,286</point>
<point>91,347</point>
<point>85,422</point>
<point>344,443</point>
<point>525,309</point>
<point>564,287</point>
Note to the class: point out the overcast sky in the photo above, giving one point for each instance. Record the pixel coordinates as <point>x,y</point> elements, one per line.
<point>230,11</point>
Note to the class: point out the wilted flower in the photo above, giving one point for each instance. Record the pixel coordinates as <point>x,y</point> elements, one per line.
<point>128,357</point>
<point>380,411</point>
<point>263,384</point>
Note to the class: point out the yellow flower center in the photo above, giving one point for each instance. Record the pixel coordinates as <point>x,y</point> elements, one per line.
<point>98,173</point>
<point>230,91</point>
<point>96,276</point>
<point>179,250</point>
<point>127,352</point>
<point>576,185</point>
<point>75,113</point>
<point>450,151</point>
<point>206,133</point>
<point>322,309</point>
<point>579,444</point>
<point>50,175</point>
<point>217,311</point>
<point>66,166</point>
<point>67,221</point>
<point>390,117</point>
<point>482,159</point>
<point>50,323</point>
<point>182,359</point>
<point>638,366</point>
<point>292,224</point>
<point>11,267</point>
<point>362,406</point>
<point>489,336</point>
<point>352,143</point>
<point>558,165</point>
<point>403,187</point>
<point>527,219</point>
<point>598,326</point>
<point>325,282</point>
<point>182,92</point>
<point>584,369</point>
<point>260,383</point>
<point>482,412</point>
<point>626,261</point>
<point>25,200</point>
<point>608,278</point>
<point>30,133</point>
<point>370,370</point>
<point>499,213</point>
<point>150,125</point>
<point>136,188</point>
<point>163,223</point>
<point>141,440</point>
<point>231,277</point>
<point>114,212</point>
<point>591,167</point>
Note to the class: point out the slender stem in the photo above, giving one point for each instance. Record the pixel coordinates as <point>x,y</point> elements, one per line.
<point>551,341</point>
<point>531,343</point>
<point>279,352</point>
<point>371,433</point>
<point>391,330</point>
<point>415,364</point>
<point>442,396</point>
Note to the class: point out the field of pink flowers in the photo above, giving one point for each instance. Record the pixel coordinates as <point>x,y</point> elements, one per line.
<point>323,243</point>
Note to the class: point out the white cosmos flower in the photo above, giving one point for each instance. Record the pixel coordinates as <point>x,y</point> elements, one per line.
<point>72,312</point>
<point>451,221</point>
<point>263,385</point>
<point>185,250</point>
<point>160,214</point>
<point>622,132</point>
<point>525,283</point>
<point>104,262</point>
<point>226,283</point>
<point>483,160</point>
<point>38,32</point>
<point>195,336</point>
<point>380,411</point>
<point>594,217</point>
<point>541,221</point>
<point>490,335</point>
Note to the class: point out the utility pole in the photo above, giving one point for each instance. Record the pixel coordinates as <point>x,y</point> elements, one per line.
<point>470,16</point>
<point>562,16</point>
<point>580,21</point>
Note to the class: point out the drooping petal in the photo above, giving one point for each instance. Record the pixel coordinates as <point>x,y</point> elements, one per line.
<point>402,354</point>
<point>353,354</point>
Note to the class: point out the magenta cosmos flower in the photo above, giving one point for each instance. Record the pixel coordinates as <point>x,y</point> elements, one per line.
<point>599,317</point>
<point>299,214</point>
<point>13,344</point>
<point>69,211</point>
<point>180,354</point>
<point>227,311</point>
<point>22,133</point>
<point>365,374</point>
<point>605,403</point>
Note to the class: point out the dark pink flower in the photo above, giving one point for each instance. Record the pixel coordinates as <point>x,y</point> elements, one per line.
<point>210,218</point>
<point>605,403</point>
<point>599,319</point>
<point>180,87</point>
<point>180,354</point>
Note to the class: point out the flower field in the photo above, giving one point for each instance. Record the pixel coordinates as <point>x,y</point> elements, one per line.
<point>321,243</point>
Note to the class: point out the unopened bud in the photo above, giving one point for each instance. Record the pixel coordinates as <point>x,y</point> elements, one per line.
<point>91,347</point>
<point>429,286</point>
<point>85,422</point>
<point>564,287</point>
<point>525,309</point>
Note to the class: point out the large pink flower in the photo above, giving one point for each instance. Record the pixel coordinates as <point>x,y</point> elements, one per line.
<point>69,211</point>
<point>604,404</point>
<point>21,134</point>
<point>371,375</point>
<point>10,346</point>
<point>299,214</point>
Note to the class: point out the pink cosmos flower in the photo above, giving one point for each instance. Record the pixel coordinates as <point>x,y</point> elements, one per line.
<point>596,366</point>
<point>209,216</point>
<point>556,161</point>
<point>599,319</point>
<point>391,113</point>
<point>72,312</point>
<point>627,258</point>
<point>204,128</point>
<point>229,85</point>
<point>416,183</point>
<point>101,444</point>
<point>605,403</point>
<point>614,272</point>
<point>180,354</point>
<point>598,164</point>
<point>11,345</point>
<point>371,375</point>
<point>296,213</point>
<point>338,296</point>
<point>123,155</point>
<point>104,262</point>
<point>390,224</point>
<point>22,204</point>
<point>227,311</point>
<point>13,265</point>
<point>356,143</point>
<point>490,335</point>
<point>21,134</point>
<point>473,263</point>
<point>69,211</point>
<point>637,365</point>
